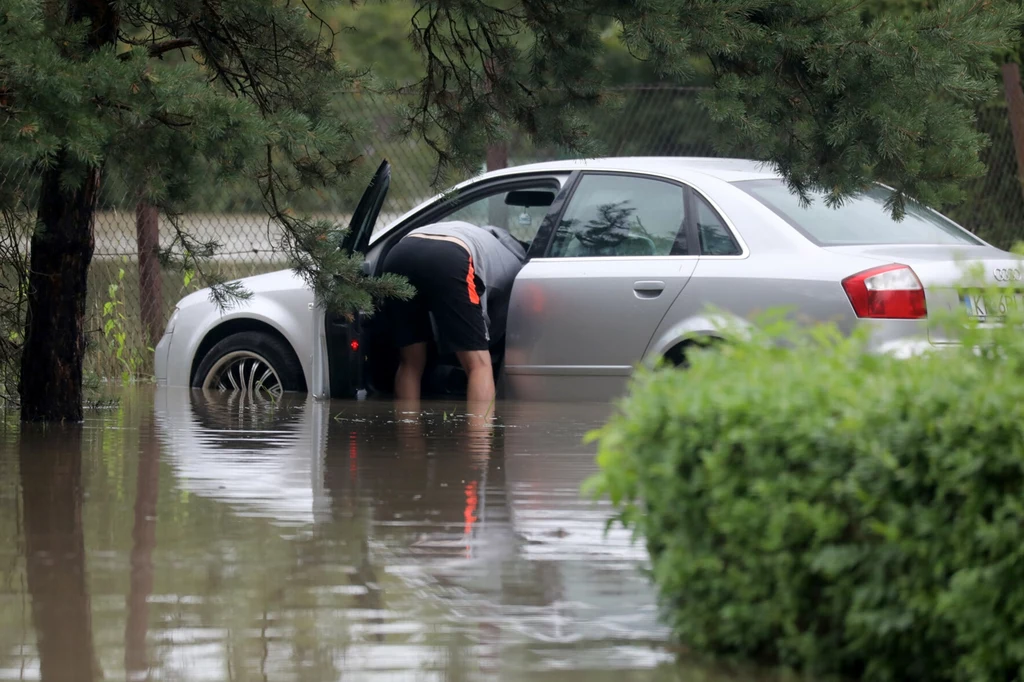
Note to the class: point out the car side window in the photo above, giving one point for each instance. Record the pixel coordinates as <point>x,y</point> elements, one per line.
<point>520,211</point>
<point>715,237</point>
<point>619,215</point>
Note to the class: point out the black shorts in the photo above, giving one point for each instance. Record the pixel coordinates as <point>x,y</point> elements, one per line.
<point>446,285</point>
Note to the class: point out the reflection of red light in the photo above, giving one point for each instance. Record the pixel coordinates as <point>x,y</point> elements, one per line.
<point>354,345</point>
<point>535,298</point>
<point>469,514</point>
<point>353,453</point>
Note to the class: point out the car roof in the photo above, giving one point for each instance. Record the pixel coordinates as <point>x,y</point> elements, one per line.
<point>726,169</point>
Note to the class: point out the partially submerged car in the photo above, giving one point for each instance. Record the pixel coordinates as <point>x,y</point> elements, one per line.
<point>624,258</point>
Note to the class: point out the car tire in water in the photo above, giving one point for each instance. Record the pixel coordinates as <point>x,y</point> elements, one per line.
<point>255,363</point>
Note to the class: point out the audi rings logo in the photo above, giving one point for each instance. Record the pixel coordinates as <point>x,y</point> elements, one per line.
<point>1007,274</point>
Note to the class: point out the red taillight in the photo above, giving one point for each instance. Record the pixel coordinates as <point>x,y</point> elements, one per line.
<point>354,345</point>
<point>891,292</point>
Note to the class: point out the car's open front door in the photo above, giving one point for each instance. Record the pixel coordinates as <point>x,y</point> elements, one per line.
<point>360,229</point>
<point>337,356</point>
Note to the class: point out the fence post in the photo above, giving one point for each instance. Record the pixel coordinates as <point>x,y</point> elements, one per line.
<point>1015,112</point>
<point>151,299</point>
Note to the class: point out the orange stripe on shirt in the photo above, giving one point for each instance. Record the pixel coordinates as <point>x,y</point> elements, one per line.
<point>471,284</point>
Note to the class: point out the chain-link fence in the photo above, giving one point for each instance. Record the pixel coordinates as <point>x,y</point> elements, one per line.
<point>656,121</point>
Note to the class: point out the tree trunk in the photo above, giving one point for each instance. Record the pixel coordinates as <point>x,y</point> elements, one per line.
<point>1015,112</point>
<point>151,298</point>
<point>50,385</point>
<point>51,482</point>
<point>61,251</point>
<point>497,210</point>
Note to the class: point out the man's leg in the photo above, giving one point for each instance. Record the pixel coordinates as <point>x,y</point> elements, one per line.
<point>480,379</point>
<point>408,321</point>
<point>412,360</point>
<point>454,294</point>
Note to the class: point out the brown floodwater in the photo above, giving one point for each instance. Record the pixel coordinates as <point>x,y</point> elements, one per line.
<point>177,537</point>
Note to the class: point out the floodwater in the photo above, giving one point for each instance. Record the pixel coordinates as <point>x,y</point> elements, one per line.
<point>175,537</point>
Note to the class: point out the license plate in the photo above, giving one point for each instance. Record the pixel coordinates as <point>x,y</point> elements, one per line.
<point>999,305</point>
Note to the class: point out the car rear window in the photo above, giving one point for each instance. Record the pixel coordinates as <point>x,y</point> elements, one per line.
<point>861,219</point>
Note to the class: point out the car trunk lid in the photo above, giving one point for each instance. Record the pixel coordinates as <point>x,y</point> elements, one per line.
<point>941,267</point>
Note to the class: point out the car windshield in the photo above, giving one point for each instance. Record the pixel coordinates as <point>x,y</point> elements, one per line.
<point>860,219</point>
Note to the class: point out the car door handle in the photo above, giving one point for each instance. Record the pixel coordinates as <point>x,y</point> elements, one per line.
<point>648,288</point>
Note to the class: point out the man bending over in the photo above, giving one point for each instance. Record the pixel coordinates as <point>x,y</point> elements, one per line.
<point>463,274</point>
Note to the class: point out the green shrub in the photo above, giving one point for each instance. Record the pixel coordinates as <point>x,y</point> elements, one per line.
<point>810,505</point>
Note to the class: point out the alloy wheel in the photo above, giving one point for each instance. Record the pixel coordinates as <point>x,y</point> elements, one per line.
<point>246,373</point>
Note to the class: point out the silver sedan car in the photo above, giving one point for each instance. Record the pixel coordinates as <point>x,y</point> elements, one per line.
<point>625,256</point>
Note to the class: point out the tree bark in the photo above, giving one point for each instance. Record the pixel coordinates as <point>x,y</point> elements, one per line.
<point>61,251</point>
<point>497,210</point>
<point>1015,112</point>
<point>151,298</point>
<point>51,481</point>
<point>497,156</point>
<point>50,385</point>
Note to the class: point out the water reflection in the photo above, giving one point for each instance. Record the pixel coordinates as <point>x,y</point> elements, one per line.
<point>260,460</point>
<point>315,541</point>
<point>51,484</point>
<point>147,491</point>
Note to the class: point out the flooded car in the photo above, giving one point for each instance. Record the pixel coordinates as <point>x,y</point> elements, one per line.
<point>624,256</point>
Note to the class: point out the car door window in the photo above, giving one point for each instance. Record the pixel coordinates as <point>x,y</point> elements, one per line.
<point>520,210</point>
<point>715,237</point>
<point>619,215</point>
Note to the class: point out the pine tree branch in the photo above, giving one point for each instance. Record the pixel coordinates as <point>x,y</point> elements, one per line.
<point>157,49</point>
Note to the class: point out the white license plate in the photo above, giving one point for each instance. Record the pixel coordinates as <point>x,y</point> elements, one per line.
<point>993,305</point>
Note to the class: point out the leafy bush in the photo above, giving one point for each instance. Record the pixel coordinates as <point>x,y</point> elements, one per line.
<point>811,505</point>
